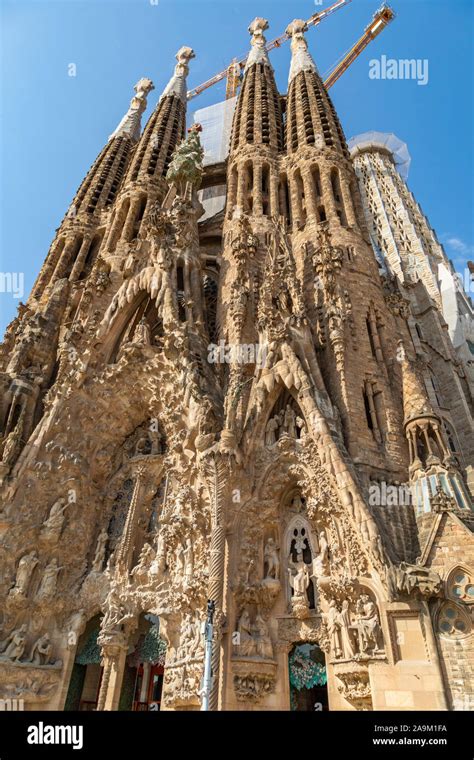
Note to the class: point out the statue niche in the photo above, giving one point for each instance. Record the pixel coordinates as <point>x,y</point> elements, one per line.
<point>144,327</point>
<point>300,555</point>
<point>285,420</point>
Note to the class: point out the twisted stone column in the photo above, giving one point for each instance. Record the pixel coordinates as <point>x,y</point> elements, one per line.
<point>216,476</point>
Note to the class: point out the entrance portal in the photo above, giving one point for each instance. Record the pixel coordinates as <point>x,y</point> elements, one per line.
<point>308,678</point>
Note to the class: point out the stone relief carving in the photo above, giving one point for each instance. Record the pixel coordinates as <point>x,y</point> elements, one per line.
<point>24,572</point>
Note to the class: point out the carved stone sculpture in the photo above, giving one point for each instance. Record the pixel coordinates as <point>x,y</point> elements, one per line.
<point>14,646</point>
<point>24,572</point>
<point>271,559</point>
<point>48,582</point>
<point>99,556</point>
<point>53,526</point>
<point>41,651</point>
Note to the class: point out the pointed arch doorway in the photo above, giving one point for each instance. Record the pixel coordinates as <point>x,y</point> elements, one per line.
<point>308,678</point>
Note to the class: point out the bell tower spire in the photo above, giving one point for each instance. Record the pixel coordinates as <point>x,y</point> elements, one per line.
<point>78,240</point>
<point>145,182</point>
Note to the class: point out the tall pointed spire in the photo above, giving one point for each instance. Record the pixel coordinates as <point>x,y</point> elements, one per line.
<point>77,241</point>
<point>258,118</point>
<point>145,181</point>
<point>100,186</point>
<point>166,126</point>
<point>311,117</point>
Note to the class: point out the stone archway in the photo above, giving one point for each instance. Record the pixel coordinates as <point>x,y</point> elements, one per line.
<point>86,673</point>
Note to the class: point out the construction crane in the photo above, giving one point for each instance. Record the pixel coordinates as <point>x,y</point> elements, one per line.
<point>381,18</point>
<point>232,72</point>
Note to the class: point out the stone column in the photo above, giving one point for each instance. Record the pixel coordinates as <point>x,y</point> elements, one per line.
<point>257,190</point>
<point>62,264</point>
<point>127,232</point>
<point>347,202</point>
<point>216,475</point>
<point>81,257</point>
<point>113,662</point>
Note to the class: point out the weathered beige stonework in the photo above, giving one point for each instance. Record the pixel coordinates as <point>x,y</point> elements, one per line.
<point>234,410</point>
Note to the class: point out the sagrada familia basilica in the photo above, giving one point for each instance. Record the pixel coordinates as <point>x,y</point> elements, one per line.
<point>249,408</point>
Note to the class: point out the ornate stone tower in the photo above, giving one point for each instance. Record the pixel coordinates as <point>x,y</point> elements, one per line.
<point>234,410</point>
<point>408,249</point>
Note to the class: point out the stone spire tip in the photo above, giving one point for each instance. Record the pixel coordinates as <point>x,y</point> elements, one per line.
<point>258,52</point>
<point>301,59</point>
<point>131,123</point>
<point>177,84</point>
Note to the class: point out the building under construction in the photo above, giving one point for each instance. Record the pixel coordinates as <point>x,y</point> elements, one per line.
<point>234,395</point>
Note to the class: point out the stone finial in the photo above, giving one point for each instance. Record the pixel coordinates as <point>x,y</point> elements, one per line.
<point>131,122</point>
<point>301,59</point>
<point>296,28</point>
<point>143,87</point>
<point>258,53</point>
<point>177,84</point>
<point>183,56</point>
<point>256,29</point>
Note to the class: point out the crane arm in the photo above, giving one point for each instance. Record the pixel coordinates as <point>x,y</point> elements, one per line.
<point>381,19</point>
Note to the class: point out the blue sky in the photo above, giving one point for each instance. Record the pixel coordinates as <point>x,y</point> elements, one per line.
<point>53,125</point>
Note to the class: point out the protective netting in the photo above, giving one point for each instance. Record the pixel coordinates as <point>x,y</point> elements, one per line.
<point>216,122</point>
<point>213,200</point>
<point>386,140</point>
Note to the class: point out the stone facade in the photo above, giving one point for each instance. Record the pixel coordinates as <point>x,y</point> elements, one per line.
<point>236,410</point>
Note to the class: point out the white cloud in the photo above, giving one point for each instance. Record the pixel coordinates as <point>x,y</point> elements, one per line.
<point>456,244</point>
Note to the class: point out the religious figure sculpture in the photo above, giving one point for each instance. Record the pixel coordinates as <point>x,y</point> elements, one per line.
<point>142,334</point>
<point>289,422</point>
<point>271,560</point>
<point>320,562</point>
<point>47,586</point>
<point>270,431</point>
<point>264,642</point>
<point>53,526</point>
<point>23,574</point>
<point>188,558</point>
<point>301,427</point>
<point>14,645</point>
<point>246,646</point>
<point>368,624</point>
<point>299,582</point>
<point>334,626</point>
<point>12,443</point>
<point>41,650</point>
<point>344,619</point>
<point>99,556</point>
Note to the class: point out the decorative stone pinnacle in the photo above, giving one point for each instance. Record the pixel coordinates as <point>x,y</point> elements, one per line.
<point>296,28</point>
<point>301,59</point>
<point>183,56</point>
<point>177,84</point>
<point>258,53</point>
<point>131,122</point>
<point>256,29</point>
